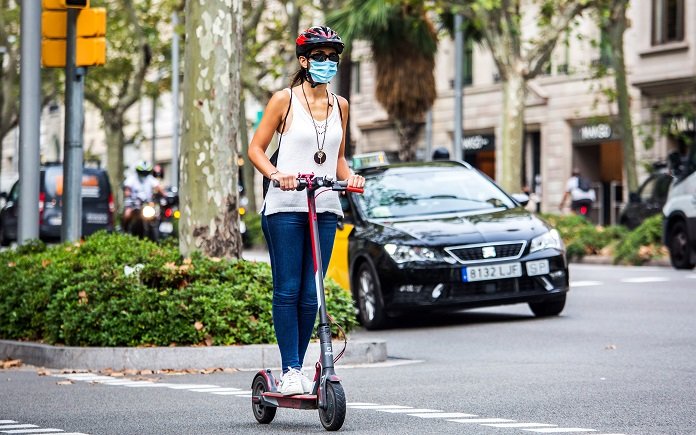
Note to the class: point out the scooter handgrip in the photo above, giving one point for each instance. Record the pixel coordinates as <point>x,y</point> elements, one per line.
<point>276,183</point>
<point>355,189</point>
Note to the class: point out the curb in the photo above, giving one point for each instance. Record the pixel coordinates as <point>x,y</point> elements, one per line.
<point>255,356</point>
<point>603,259</point>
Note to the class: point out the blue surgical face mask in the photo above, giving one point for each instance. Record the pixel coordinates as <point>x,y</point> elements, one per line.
<point>322,72</point>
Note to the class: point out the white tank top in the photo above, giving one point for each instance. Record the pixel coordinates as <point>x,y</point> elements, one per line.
<point>297,156</point>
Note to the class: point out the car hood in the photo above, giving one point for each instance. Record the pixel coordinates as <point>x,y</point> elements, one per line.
<point>461,229</point>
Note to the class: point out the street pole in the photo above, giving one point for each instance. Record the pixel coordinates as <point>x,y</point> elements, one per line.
<point>429,135</point>
<point>71,230</point>
<point>154,124</point>
<point>29,121</point>
<point>175,102</point>
<point>458,60</point>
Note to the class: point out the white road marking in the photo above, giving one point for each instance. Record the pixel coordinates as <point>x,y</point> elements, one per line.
<point>410,410</point>
<point>360,403</point>
<point>17,426</point>
<point>381,407</point>
<point>521,425</point>
<point>442,415</point>
<point>584,283</point>
<point>7,421</point>
<point>33,431</point>
<point>644,279</point>
<point>561,430</point>
<point>480,420</point>
<point>213,390</point>
<point>148,384</point>
<point>191,386</point>
<point>690,276</point>
<point>232,393</point>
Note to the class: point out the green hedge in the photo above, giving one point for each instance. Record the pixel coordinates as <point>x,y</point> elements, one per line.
<point>81,295</point>
<point>635,247</point>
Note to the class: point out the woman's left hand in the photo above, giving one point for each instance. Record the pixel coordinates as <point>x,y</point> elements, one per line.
<point>356,181</point>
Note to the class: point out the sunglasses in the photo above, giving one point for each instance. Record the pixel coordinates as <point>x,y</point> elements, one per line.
<point>321,57</point>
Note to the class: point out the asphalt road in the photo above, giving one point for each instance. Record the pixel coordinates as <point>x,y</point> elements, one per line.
<point>621,359</point>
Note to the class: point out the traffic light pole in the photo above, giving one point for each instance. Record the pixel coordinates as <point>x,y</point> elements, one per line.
<point>29,121</point>
<point>74,120</point>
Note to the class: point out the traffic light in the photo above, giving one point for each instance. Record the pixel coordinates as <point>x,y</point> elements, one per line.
<point>65,4</point>
<point>90,31</point>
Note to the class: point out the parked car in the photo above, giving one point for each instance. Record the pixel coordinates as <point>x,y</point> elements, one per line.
<point>97,204</point>
<point>680,211</point>
<point>648,200</point>
<point>441,235</point>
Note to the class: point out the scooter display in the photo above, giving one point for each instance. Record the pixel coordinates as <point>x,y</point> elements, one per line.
<point>327,394</point>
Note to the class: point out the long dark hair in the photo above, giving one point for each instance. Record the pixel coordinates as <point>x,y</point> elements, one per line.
<point>299,77</point>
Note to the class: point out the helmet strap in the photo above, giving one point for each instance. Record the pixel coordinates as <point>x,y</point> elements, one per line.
<point>309,78</point>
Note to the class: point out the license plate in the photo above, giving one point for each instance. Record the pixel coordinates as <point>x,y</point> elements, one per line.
<point>538,267</point>
<point>496,271</point>
<point>166,227</point>
<point>96,218</point>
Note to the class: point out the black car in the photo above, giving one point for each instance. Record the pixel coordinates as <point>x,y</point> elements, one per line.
<point>97,204</point>
<point>647,201</point>
<point>441,235</point>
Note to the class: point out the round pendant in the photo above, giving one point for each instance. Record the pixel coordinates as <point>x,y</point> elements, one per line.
<point>320,157</point>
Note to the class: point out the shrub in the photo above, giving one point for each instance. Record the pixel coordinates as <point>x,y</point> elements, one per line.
<point>642,244</point>
<point>581,237</point>
<point>254,233</point>
<point>118,290</point>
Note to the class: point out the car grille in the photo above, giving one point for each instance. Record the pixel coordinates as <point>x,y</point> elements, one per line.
<point>487,251</point>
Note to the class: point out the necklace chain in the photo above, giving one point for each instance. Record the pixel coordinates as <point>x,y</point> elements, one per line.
<point>320,148</point>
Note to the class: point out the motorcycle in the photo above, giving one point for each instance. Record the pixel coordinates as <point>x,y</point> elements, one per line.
<point>169,205</point>
<point>144,219</point>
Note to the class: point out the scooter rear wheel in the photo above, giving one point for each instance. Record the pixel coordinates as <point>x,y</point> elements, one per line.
<point>263,414</point>
<point>335,413</point>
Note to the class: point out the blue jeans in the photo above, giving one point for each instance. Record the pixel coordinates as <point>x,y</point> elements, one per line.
<point>294,290</point>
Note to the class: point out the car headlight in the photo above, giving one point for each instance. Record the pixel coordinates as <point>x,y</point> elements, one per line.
<point>552,239</point>
<point>405,254</point>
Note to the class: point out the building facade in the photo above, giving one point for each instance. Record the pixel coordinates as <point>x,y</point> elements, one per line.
<point>568,120</point>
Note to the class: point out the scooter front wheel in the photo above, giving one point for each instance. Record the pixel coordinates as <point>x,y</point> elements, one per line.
<point>263,414</point>
<point>335,413</point>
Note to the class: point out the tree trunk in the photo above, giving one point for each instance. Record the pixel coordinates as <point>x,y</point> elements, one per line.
<point>212,58</point>
<point>408,137</point>
<point>248,171</point>
<point>509,174</point>
<point>616,28</point>
<point>114,156</point>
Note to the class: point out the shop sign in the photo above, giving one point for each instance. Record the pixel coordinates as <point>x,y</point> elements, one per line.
<point>593,133</point>
<point>478,142</point>
<point>678,125</point>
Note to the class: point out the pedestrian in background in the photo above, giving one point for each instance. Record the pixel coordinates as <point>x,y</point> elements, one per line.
<point>580,192</point>
<point>311,124</point>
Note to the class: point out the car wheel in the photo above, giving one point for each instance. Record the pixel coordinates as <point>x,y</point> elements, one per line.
<point>369,297</point>
<point>550,307</point>
<point>679,249</point>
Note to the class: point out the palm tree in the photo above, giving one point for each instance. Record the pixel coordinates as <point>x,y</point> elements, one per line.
<point>404,43</point>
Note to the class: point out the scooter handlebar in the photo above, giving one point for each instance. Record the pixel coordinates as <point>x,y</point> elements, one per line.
<point>325,182</point>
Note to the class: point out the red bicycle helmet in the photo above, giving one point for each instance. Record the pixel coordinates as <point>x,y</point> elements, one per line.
<point>317,36</point>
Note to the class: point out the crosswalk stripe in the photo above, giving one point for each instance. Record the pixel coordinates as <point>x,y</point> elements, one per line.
<point>521,425</point>
<point>644,279</point>
<point>480,420</point>
<point>442,415</point>
<point>410,410</point>
<point>33,431</point>
<point>560,430</point>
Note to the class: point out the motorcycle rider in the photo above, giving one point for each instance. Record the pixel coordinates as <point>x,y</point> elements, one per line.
<point>139,186</point>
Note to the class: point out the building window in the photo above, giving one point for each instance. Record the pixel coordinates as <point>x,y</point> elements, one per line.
<point>667,21</point>
<point>355,78</point>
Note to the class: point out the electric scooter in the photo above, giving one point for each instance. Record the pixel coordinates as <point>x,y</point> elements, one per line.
<point>327,394</point>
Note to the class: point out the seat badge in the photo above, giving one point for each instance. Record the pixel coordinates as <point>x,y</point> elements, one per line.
<point>488,251</point>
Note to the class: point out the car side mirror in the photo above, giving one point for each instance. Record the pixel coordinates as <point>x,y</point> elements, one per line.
<point>522,198</point>
<point>633,197</point>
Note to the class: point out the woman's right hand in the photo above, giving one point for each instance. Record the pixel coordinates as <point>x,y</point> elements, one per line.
<point>285,181</point>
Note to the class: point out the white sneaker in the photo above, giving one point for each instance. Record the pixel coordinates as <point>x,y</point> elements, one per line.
<point>291,383</point>
<point>307,384</point>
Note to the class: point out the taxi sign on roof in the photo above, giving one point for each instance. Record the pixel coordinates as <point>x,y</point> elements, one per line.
<point>369,160</point>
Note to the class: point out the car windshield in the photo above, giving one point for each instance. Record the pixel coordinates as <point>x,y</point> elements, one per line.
<point>404,192</point>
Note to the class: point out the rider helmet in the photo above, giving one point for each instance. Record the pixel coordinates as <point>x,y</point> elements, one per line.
<point>143,168</point>
<point>317,36</point>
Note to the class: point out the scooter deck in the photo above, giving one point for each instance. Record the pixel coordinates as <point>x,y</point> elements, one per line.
<point>298,401</point>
